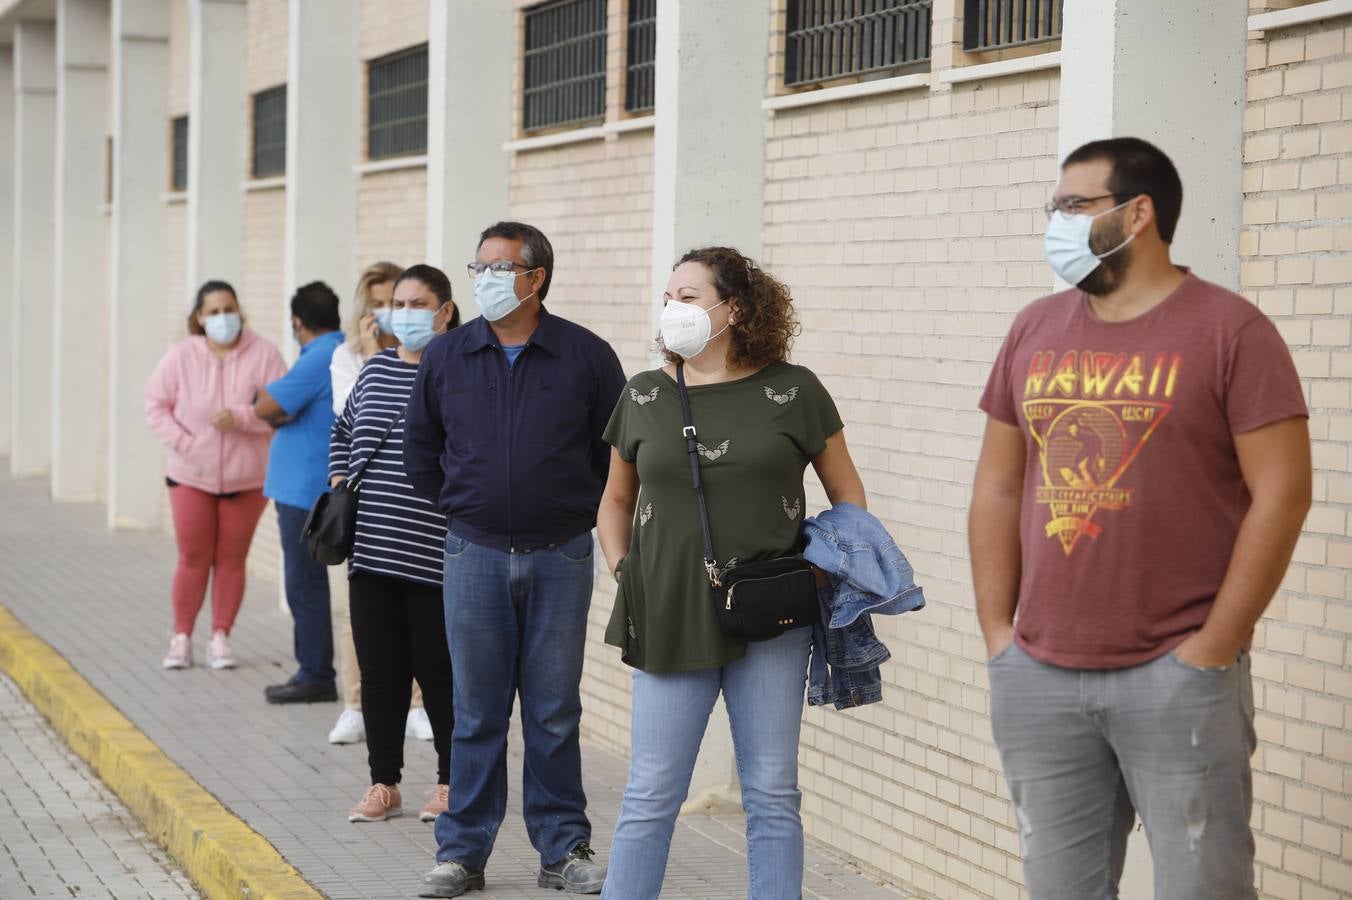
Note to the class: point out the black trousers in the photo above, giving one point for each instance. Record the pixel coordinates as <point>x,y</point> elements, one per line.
<point>399,628</point>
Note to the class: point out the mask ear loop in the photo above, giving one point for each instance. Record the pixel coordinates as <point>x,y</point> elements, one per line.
<point>1130,237</point>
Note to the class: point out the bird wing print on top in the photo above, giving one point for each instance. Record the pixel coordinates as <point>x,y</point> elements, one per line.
<point>645,514</point>
<point>792,511</point>
<point>642,399</point>
<point>714,454</point>
<point>782,399</point>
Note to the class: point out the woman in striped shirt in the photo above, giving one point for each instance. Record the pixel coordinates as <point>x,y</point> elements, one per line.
<point>398,622</point>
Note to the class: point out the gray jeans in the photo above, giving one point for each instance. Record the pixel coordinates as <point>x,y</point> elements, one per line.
<point>1084,750</point>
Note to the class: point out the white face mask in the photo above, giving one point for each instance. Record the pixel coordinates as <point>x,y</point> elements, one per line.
<point>685,328</point>
<point>1066,245</point>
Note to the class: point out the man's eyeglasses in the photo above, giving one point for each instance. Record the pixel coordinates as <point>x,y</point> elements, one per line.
<point>1073,205</point>
<point>503,268</point>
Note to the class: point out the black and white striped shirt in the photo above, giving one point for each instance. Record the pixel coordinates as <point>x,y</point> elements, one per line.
<point>398,532</point>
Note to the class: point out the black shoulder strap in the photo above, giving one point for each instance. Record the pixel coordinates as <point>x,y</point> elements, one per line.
<point>355,478</point>
<point>691,445</point>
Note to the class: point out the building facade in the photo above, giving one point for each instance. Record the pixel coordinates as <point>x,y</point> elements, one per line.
<point>888,159</point>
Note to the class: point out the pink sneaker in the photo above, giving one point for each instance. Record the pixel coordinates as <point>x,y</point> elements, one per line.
<point>439,804</point>
<point>180,652</point>
<point>218,652</point>
<point>380,802</point>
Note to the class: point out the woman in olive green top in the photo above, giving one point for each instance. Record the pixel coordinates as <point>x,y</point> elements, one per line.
<point>760,420</point>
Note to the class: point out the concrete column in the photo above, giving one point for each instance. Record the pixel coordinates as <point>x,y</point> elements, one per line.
<point>34,183</point>
<point>469,117</point>
<point>1137,68</point>
<point>78,341</point>
<point>140,44</point>
<point>708,187</point>
<point>7,220</point>
<point>323,133</point>
<point>217,127</point>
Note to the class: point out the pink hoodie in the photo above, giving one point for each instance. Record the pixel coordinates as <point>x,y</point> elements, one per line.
<point>189,386</point>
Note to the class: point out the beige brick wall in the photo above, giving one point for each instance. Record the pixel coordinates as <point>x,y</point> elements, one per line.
<point>909,229</point>
<point>263,296</point>
<point>179,57</point>
<point>269,27</point>
<point>390,25</point>
<point>594,201</point>
<point>391,219</point>
<point>1296,249</point>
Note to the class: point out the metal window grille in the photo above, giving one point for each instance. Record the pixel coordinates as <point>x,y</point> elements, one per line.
<point>269,132</point>
<point>179,176</point>
<point>565,63</point>
<point>829,39</point>
<point>993,24</point>
<point>397,104</point>
<point>640,84</point>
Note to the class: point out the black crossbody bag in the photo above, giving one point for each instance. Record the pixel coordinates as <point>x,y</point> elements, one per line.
<point>753,601</point>
<point>331,528</point>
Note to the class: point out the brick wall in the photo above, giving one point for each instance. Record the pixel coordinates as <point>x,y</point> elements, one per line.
<point>909,228</point>
<point>1296,249</point>
<point>391,219</point>
<point>390,25</point>
<point>594,201</point>
<point>179,56</point>
<point>269,27</point>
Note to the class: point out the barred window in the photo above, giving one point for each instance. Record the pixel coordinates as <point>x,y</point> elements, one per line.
<point>565,63</point>
<point>178,177</point>
<point>397,104</point>
<point>269,132</point>
<point>641,64</point>
<point>829,39</point>
<point>993,24</point>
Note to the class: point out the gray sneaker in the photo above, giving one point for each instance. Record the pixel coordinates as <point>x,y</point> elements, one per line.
<point>575,873</point>
<point>451,879</point>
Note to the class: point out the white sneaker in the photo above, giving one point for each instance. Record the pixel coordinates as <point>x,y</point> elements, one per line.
<point>350,729</point>
<point>418,726</point>
<point>180,652</point>
<point>218,652</point>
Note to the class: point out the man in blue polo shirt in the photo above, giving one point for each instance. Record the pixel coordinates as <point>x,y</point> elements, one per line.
<point>504,434</point>
<point>300,406</point>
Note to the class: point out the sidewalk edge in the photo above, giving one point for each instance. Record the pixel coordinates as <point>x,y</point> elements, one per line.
<point>225,858</point>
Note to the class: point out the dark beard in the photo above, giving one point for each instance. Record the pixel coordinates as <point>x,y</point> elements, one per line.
<point>1112,270</point>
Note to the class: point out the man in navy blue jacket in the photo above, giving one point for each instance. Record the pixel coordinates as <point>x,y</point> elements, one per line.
<point>504,433</point>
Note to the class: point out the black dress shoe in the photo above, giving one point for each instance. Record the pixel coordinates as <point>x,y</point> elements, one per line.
<point>301,692</point>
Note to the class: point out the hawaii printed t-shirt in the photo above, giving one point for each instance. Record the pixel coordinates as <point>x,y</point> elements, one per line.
<point>756,437</point>
<point>1133,495</point>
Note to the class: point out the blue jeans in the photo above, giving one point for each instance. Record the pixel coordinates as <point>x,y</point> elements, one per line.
<point>516,623</point>
<point>1086,751</point>
<point>763,692</point>
<point>307,593</point>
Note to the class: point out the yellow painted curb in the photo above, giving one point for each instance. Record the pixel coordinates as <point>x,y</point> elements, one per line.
<point>224,857</point>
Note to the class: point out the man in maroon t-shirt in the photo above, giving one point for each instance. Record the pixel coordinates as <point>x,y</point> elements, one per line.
<point>1142,483</point>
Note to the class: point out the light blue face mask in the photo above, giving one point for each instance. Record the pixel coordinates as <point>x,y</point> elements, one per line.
<point>413,327</point>
<point>222,328</point>
<point>496,296</point>
<point>383,321</point>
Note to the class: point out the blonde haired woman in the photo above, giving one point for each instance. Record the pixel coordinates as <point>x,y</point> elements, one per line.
<point>369,331</point>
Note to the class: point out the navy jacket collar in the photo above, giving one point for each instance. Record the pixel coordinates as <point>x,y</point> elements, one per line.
<point>545,336</point>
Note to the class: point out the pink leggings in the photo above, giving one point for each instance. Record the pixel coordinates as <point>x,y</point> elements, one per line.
<point>213,533</point>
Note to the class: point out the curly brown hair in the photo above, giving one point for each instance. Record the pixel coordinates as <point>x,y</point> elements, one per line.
<point>763,323</point>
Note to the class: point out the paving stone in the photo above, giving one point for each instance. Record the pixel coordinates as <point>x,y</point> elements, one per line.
<point>272,766</point>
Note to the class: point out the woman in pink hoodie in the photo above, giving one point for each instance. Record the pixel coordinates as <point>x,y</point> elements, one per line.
<point>199,402</point>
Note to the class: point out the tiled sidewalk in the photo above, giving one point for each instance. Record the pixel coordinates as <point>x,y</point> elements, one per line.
<point>101,599</point>
<point>64,833</point>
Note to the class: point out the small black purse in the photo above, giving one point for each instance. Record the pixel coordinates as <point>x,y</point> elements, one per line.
<point>753,601</point>
<point>331,528</point>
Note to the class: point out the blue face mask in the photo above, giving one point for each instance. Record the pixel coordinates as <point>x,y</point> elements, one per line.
<point>383,320</point>
<point>413,327</point>
<point>496,296</point>
<point>222,328</point>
